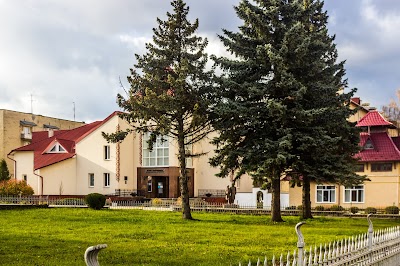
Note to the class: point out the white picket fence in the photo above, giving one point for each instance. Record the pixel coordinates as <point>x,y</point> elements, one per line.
<point>373,248</point>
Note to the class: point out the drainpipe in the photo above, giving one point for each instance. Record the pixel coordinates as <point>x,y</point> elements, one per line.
<point>15,165</point>
<point>41,182</point>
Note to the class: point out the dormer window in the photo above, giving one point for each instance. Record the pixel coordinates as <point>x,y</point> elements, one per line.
<point>57,148</point>
<point>368,145</point>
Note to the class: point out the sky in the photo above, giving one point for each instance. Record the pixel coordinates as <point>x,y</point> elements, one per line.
<point>66,58</point>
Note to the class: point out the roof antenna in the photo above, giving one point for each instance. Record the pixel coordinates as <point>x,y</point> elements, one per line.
<point>74,110</point>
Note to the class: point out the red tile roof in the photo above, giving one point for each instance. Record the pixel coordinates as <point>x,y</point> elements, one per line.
<point>384,148</point>
<point>373,118</point>
<point>66,138</point>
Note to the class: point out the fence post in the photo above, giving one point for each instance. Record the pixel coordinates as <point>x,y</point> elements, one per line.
<point>300,244</point>
<point>370,231</point>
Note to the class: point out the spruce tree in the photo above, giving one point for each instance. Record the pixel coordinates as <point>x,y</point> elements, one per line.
<point>281,111</point>
<point>4,173</point>
<point>170,89</point>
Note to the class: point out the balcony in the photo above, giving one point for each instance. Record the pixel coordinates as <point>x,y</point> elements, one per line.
<point>26,136</point>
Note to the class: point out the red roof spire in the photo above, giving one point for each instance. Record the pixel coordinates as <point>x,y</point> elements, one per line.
<point>374,118</point>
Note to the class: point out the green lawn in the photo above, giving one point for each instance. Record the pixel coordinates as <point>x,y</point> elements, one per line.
<point>136,237</point>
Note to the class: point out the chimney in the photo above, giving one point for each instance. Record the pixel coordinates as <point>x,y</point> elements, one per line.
<point>356,100</point>
<point>51,132</point>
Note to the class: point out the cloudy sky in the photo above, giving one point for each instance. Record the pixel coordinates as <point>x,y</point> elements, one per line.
<point>57,54</point>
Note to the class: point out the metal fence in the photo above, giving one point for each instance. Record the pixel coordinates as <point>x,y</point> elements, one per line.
<point>372,248</point>
<point>43,200</point>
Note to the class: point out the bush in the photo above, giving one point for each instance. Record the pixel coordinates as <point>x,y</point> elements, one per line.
<point>290,208</point>
<point>95,201</point>
<point>369,210</point>
<point>336,208</point>
<point>319,208</point>
<point>392,210</point>
<point>300,207</point>
<point>354,210</point>
<point>156,201</point>
<point>15,188</point>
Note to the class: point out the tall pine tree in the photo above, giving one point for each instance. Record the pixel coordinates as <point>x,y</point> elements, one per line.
<point>4,173</point>
<point>170,96</point>
<point>281,111</point>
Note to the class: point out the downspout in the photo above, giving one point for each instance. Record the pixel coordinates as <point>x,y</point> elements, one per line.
<point>15,165</point>
<point>41,182</point>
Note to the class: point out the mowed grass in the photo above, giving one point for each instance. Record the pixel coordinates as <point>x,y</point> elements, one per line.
<point>136,237</point>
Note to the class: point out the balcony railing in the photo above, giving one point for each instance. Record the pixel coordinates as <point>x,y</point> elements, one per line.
<point>27,136</point>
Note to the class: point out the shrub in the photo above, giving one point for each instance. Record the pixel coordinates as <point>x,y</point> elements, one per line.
<point>156,201</point>
<point>392,210</point>
<point>336,208</point>
<point>4,173</point>
<point>290,208</point>
<point>15,188</point>
<point>319,208</point>
<point>95,201</point>
<point>354,210</point>
<point>370,210</point>
<point>300,207</point>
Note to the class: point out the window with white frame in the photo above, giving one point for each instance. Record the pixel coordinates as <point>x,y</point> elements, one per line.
<point>57,148</point>
<point>354,194</point>
<point>91,180</point>
<point>107,153</point>
<point>106,179</point>
<point>159,156</point>
<point>25,178</point>
<point>326,194</point>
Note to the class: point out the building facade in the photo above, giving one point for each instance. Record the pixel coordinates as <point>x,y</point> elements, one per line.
<point>16,130</point>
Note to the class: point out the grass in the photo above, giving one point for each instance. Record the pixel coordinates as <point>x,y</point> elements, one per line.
<point>137,237</point>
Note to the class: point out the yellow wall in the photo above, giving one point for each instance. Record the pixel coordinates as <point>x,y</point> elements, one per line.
<point>60,178</point>
<point>383,190</point>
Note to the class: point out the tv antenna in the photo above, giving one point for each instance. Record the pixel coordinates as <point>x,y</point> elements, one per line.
<point>74,109</point>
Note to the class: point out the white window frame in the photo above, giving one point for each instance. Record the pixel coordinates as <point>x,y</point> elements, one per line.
<point>57,148</point>
<point>356,191</point>
<point>325,190</point>
<point>159,156</point>
<point>25,177</point>
<point>106,179</point>
<point>90,179</point>
<point>107,152</point>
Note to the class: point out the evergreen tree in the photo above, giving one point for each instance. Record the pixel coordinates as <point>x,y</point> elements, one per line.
<point>170,96</point>
<point>4,173</point>
<point>281,111</point>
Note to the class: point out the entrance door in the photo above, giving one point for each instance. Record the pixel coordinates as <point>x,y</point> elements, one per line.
<point>162,186</point>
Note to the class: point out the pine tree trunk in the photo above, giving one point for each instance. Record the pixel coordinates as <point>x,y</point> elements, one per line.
<point>306,210</point>
<point>276,200</point>
<point>183,178</point>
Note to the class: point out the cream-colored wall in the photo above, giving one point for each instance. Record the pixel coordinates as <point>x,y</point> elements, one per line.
<point>25,167</point>
<point>59,178</point>
<point>90,159</point>
<point>204,174</point>
<point>129,158</point>
<point>10,130</point>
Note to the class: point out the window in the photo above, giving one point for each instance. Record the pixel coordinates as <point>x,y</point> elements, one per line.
<point>354,194</point>
<point>368,145</point>
<point>360,167</point>
<point>91,180</point>
<point>106,179</point>
<point>57,148</point>
<point>107,154</point>
<point>159,156</point>
<point>326,194</point>
<point>25,178</point>
<point>126,179</point>
<point>381,167</point>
